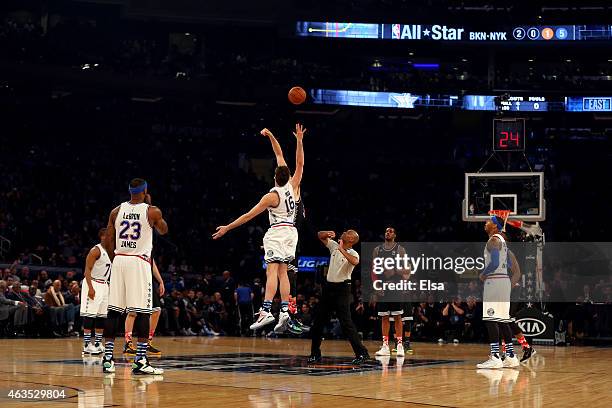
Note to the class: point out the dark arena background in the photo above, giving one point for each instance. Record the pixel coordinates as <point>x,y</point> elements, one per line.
<point>426,121</point>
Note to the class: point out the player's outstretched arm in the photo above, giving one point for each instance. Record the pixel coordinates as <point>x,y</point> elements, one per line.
<point>157,220</point>
<point>109,239</point>
<point>92,257</point>
<point>269,200</point>
<point>276,147</point>
<point>299,156</point>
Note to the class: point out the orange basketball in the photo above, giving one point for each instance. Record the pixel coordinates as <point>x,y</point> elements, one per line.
<point>297,95</point>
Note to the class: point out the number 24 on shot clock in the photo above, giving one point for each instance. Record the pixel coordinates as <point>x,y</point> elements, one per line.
<point>509,135</point>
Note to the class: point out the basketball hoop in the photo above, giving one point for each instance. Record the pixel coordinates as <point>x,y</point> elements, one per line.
<point>530,229</point>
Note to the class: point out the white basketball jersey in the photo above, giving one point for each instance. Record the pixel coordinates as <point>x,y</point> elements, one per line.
<point>102,268</point>
<point>502,268</point>
<point>134,234</point>
<point>284,212</point>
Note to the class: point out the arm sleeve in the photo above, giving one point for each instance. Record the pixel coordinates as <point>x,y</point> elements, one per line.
<point>494,262</point>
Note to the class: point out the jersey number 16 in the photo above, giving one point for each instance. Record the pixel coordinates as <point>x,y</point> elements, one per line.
<point>289,204</point>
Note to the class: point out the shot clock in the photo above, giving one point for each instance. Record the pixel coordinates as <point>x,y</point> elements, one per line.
<point>509,135</point>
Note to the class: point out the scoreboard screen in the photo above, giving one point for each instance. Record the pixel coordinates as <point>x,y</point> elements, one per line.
<point>509,135</point>
<point>524,104</point>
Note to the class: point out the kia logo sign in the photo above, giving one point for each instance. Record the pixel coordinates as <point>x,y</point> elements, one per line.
<point>531,327</point>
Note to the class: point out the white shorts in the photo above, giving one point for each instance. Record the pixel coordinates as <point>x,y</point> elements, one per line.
<point>99,305</point>
<point>496,299</point>
<point>280,244</point>
<point>131,285</point>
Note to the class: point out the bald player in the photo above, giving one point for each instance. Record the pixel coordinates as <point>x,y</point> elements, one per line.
<point>337,294</point>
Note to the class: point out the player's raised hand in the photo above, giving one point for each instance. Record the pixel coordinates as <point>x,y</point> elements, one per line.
<point>221,231</point>
<point>299,131</point>
<point>266,132</point>
<point>331,234</point>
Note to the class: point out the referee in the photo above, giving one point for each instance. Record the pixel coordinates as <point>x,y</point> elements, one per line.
<point>337,294</point>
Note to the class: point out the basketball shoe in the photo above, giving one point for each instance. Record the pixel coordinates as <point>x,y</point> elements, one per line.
<point>493,362</point>
<point>264,319</point>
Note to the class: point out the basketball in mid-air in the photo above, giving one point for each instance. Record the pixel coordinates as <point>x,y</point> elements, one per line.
<point>297,95</point>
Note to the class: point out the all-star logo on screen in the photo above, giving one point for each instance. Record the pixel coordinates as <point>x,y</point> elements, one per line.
<point>404,100</point>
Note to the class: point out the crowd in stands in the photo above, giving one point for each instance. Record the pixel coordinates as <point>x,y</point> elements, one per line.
<point>47,304</point>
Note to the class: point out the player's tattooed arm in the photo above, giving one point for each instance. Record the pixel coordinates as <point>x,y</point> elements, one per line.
<point>406,273</point>
<point>109,240</point>
<point>92,257</point>
<point>299,157</point>
<point>515,268</point>
<point>269,200</point>
<point>276,147</point>
<point>157,220</point>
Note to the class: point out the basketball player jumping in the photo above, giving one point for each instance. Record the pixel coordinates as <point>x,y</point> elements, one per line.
<point>280,241</point>
<point>386,310</point>
<point>496,297</point>
<point>94,295</point>
<point>130,239</point>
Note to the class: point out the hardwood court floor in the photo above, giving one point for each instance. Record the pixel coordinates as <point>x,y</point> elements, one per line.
<point>247,372</point>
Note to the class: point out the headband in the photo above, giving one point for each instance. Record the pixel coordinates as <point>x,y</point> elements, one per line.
<point>496,221</point>
<point>139,189</point>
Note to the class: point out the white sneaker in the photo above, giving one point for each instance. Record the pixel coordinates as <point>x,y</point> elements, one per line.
<point>511,362</point>
<point>264,319</point>
<point>400,350</point>
<point>142,366</point>
<point>384,350</point>
<point>281,326</point>
<point>91,349</point>
<point>492,362</point>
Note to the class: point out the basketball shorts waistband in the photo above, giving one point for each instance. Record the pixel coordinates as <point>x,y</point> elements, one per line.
<point>143,257</point>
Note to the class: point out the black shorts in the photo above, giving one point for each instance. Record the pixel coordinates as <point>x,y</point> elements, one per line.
<point>293,265</point>
<point>407,315</point>
<point>389,309</point>
<point>156,302</point>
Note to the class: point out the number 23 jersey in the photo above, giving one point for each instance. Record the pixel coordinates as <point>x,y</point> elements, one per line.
<point>133,233</point>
